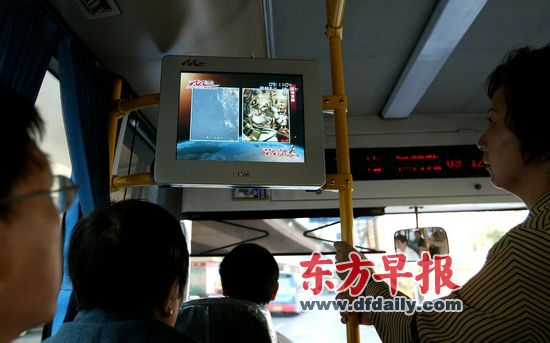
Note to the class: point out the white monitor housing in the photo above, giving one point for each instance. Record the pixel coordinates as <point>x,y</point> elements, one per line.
<point>240,122</point>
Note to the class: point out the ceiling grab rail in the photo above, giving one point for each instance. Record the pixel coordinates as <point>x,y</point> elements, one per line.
<point>362,249</point>
<point>264,233</point>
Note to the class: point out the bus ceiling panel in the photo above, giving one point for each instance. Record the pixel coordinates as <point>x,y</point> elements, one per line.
<point>501,26</point>
<point>133,43</point>
<point>379,38</point>
<point>447,25</point>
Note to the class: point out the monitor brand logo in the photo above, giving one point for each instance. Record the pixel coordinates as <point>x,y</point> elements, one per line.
<point>241,173</point>
<point>202,84</point>
<point>194,63</point>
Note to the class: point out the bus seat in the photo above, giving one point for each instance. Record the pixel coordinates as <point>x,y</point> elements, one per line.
<point>214,320</point>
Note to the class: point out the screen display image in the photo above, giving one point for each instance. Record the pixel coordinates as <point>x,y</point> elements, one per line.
<point>247,117</point>
<point>215,114</point>
<point>240,122</point>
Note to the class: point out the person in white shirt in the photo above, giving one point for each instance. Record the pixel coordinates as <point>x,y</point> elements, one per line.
<point>401,243</point>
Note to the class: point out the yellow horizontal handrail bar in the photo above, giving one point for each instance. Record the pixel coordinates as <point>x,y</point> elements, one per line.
<point>122,106</point>
<point>124,181</point>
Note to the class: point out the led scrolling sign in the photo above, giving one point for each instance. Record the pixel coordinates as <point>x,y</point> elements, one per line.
<point>412,162</point>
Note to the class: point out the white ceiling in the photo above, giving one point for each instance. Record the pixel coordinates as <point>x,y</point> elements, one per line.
<point>379,39</point>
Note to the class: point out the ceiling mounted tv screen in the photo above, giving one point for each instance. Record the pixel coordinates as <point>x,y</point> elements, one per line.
<point>234,122</point>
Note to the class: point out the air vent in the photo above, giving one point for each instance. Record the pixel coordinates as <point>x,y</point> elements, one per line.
<point>97,9</point>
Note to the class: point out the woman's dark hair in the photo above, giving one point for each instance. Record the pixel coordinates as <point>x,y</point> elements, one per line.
<point>525,76</point>
<point>249,272</point>
<point>124,258</point>
<point>21,125</point>
<point>401,238</point>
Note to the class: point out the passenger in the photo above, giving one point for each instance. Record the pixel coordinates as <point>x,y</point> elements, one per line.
<point>419,243</point>
<point>508,300</point>
<point>30,233</point>
<point>128,263</point>
<point>438,242</point>
<point>249,272</point>
<point>401,243</point>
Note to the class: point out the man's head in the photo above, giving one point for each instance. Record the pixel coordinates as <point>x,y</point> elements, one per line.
<point>20,128</point>
<point>129,258</point>
<point>401,242</point>
<point>30,234</point>
<point>250,272</point>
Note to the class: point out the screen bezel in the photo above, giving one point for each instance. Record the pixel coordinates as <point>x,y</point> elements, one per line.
<point>201,173</point>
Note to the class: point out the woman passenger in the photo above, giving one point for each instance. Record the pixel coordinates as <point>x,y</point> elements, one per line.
<point>128,263</point>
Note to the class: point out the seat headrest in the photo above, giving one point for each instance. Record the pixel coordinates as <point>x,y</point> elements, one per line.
<point>213,320</point>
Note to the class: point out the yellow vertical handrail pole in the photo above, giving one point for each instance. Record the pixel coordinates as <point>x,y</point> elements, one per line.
<point>113,126</point>
<point>341,127</point>
<point>335,19</point>
<point>120,108</point>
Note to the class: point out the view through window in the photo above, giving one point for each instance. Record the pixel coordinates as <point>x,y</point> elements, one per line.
<point>470,234</point>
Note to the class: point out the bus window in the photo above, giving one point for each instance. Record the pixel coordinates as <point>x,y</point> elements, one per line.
<point>136,156</point>
<point>287,301</point>
<point>296,311</point>
<point>54,142</point>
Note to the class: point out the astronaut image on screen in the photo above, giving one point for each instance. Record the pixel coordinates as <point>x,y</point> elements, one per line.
<point>265,115</point>
<point>215,114</point>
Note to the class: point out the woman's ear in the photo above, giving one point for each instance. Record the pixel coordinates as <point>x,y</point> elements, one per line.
<point>275,291</point>
<point>168,312</point>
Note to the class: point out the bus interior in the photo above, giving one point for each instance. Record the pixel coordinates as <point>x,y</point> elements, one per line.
<point>414,76</point>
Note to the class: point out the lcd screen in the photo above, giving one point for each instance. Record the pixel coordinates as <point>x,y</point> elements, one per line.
<point>243,117</point>
<point>240,122</point>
